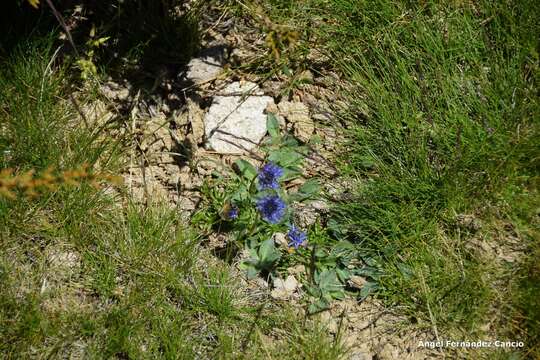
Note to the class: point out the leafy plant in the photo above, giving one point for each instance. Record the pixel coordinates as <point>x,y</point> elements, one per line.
<point>254,206</point>
<point>327,286</point>
<point>262,259</point>
<point>86,64</point>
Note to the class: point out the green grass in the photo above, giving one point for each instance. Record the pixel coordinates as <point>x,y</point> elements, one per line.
<point>443,114</point>
<point>451,130</point>
<point>84,276</point>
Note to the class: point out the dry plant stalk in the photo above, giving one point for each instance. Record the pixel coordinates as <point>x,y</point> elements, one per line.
<point>31,185</point>
<point>279,37</point>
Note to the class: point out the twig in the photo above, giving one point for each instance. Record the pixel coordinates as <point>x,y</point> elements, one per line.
<point>486,21</point>
<point>143,167</point>
<point>133,115</point>
<point>340,328</point>
<point>255,156</point>
<point>372,322</point>
<point>79,110</point>
<point>312,265</point>
<point>60,19</point>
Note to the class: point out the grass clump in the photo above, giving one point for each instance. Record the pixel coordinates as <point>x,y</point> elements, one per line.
<point>449,136</point>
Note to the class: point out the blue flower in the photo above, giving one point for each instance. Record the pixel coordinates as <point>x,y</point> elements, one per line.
<point>233,212</point>
<point>297,238</point>
<point>272,208</point>
<point>268,176</point>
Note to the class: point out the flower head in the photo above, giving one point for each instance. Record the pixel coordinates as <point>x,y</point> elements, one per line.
<point>272,208</point>
<point>296,236</point>
<point>268,176</point>
<point>233,212</point>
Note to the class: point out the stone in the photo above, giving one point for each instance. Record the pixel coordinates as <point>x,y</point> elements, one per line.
<point>63,259</point>
<point>357,282</point>
<point>196,118</point>
<point>361,355</point>
<point>306,215</point>
<point>284,289</point>
<point>306,76</point>
<point>297,113</point>
<point>184,180</point>
<point>320,206</point>
<point>389,352</point>
<point>240,56</point>
<point>115,91</point>
<point>468,222</point>
<point>331,322</point>
<point>62,265</point>
<point>325,117</point>
<point>207,66</point>
<point>234,123</point>
<point>273,88</point>
<point>280,239</point>
<point>297,270</point>
<point>96,113</point>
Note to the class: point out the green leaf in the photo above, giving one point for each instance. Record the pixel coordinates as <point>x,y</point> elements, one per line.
<point>286,157</point>
<point>286,70</point>
<point>328,281</point>
<point>319,305</point>
<point>368,271</point>
<point>320,253</point>
<point>338,295</point>
<point>368,288</point>
<point>405,270</point>
<point>290,173</point>
<point>310,187</point>
<point>290,141</point>
<point>240,194</point>
<point>343,274</point>
<point>246,169</point>
<point>313,291</point>
<point>252,272</point>
<point>272,125</point>
<point>268,253</point>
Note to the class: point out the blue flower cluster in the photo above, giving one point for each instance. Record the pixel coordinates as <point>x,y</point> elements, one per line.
<point>272,208</point>
<point>297,238</point>
<point>269,175</point>
<point>233,212</point>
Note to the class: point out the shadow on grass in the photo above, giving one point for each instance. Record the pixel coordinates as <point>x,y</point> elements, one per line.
<point>145,41</point>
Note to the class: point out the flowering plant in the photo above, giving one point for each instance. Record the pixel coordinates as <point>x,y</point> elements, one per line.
<point>254,205</point>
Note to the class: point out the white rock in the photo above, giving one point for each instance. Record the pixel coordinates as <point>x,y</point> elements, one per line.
<point>280,239</point>
<point>284,289</point>
<point>63,259</point>
<point>234,123</point>
<point>207,66</point>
